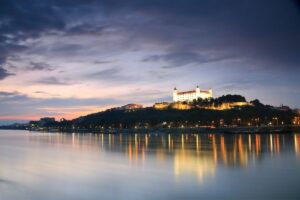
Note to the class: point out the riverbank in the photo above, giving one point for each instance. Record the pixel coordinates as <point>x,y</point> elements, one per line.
<point>205,130</point>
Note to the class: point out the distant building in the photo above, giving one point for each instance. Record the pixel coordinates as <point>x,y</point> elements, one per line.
<point>181,106</point>
<point>131,106</point>
<point>161,105</point>
<point>296,120</point>
<point>191,95</point>
<point>283,108</point>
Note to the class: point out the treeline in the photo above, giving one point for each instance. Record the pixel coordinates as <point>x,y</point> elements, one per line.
<point>218,101</point>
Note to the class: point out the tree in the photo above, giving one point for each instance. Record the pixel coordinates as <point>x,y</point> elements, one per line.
<point>256,102</point>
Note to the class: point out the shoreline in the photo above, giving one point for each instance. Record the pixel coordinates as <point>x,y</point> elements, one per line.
<point>287,129</point>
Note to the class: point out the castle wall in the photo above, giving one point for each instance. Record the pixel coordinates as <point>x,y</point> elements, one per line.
<point>191,95</point>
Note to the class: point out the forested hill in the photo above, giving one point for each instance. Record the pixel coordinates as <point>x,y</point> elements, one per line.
<point>207,112</point>
<point>150,117</point>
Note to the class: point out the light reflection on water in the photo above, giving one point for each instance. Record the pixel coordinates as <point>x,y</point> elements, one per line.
<point>148,166</point>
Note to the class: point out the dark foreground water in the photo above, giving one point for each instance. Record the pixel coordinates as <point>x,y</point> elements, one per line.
<point>42,166</point>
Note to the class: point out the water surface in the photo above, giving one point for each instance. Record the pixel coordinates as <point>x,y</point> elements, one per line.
<point>59,166</point>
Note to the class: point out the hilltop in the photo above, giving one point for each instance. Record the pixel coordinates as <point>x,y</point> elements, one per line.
<point>225,111</point>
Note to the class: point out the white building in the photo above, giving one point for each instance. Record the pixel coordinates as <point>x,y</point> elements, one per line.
<point>191,95</point>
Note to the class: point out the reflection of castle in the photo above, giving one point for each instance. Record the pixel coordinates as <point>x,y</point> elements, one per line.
<point>191,95</point>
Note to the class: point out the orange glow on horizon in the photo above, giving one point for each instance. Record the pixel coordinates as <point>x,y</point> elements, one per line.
<point>67,113</point>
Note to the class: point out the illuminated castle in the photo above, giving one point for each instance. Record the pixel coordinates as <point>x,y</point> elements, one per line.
<point>191,95</point>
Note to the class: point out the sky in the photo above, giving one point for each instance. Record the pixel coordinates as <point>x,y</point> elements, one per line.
<point>67,58</point>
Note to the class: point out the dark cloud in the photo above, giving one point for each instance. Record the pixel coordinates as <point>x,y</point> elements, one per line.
<point>52,81</point>
<point>7,49</point>
<point>160,74</point>
<point>263,32</point>
<point>65,49</point>
<point>20,20</point>
<point>85,29</point>
<point>40,92</point>
<point>105,61</point>
<point>114,75</point>
<point>107,73</point>
<point>30,18</point>
<point>4,73</point>
<point>8,182</point>
<point>16,103</point>
<point>47,94</point>
<point>10,97</point>
<point>39,66</point>
<point>178,59</point>
<point>7,94</point>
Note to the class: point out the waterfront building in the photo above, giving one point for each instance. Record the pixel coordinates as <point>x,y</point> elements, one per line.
<point>191,95</point>
<point>131,106</point>
<point>296,120</point>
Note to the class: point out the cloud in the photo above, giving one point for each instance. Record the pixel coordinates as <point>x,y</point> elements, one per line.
<point>107,73</point>
<point>112,75</point>
<point>51,81</point>
<point>85,29</point>
<point>178,59</point>
<point>4,73</point>
<point>270,37</point>
<point>7,94</point>
<point>105,61</point>
<point>267,39</point>
<point>41,92</point>
<point>18,104</point>
<point>46,94</point>
<point>25,19</point>
<point>11,97</point>
<point>21,20</point>
<point>39,66</point>
<point>9,48</point>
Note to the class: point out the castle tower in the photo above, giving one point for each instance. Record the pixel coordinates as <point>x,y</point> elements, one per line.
<point>175,97</point>
<point>197,91</point>
<point>210,92</point>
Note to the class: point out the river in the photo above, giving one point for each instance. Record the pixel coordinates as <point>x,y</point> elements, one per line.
<point>60,166</point>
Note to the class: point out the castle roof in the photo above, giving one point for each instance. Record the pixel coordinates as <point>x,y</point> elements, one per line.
<point>204,91</point>
<point>193,91</point>
<point>187,92</point>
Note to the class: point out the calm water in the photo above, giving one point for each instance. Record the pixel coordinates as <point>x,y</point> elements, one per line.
<point>42,166</point>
